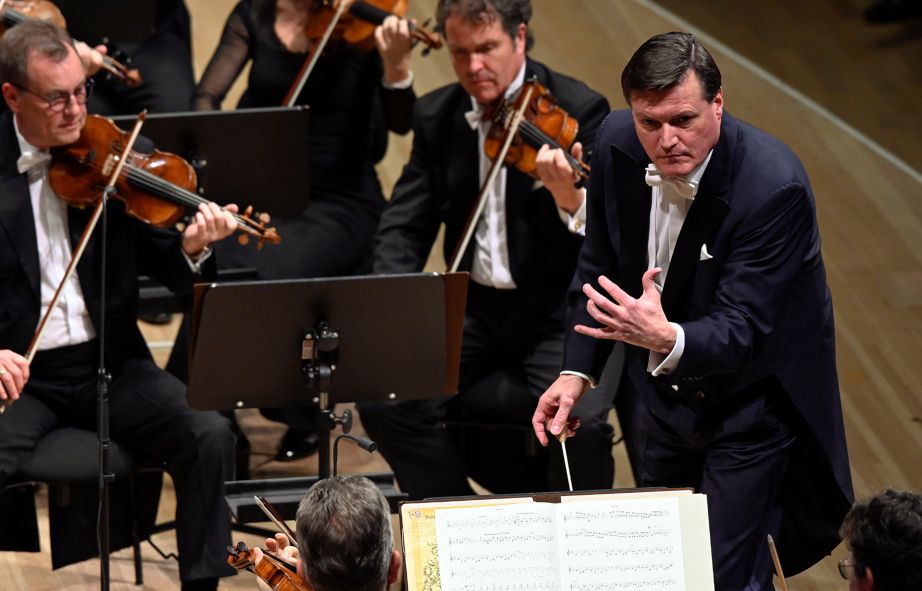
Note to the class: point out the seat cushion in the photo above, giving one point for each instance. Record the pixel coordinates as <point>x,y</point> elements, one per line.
<point>72,455</point>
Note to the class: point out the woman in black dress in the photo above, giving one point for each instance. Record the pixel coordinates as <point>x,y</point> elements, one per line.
<point>355,98</point>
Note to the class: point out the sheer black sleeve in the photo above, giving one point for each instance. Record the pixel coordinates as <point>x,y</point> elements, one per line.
<point>229,58</point>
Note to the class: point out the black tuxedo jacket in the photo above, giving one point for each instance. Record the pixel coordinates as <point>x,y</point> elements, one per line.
<point>132,247</point>
<point>757,316</point>
<point>441,182</point>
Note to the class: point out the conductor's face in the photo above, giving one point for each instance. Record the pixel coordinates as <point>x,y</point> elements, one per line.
<point>677,127</point>
<point>50,106</point>
<point>485,58</point>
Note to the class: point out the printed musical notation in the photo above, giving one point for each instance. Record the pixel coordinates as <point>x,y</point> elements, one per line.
<point>626,585</point>
<point>622,545</point>
<point>520,540</point>
<point>617,545</point>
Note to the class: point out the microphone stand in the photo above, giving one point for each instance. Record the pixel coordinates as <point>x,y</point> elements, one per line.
<point>363,442</point>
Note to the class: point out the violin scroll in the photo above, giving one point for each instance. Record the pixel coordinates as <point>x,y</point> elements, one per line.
<point>259,222</point>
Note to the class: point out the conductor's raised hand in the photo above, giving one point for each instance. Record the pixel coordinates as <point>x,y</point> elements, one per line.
<point>554,406</point>
<point>636,321</point>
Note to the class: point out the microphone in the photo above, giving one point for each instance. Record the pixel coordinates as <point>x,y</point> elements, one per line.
<point>363,442</point>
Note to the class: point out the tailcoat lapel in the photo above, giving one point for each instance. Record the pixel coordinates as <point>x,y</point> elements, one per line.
<point>463,172</point>
<point>633,216</point>
<point>16,206</point>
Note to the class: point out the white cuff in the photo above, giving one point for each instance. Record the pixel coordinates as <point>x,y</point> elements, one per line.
<point>196,265</point>
<point>400,85</point>
<point>659,364</point>
<point>590,379</point>
<point>576,222</point>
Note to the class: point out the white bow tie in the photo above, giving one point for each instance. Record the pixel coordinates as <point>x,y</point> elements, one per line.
<point>474,117</point>
<point>29,160</point>
<point>683,187</point>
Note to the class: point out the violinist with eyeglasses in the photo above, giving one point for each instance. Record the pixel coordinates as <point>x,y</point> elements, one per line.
<point>45,85</point>
<point>521,255</point>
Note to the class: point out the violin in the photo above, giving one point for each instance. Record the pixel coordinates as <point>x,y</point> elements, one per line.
<point>356,26</point>
<point>544,122</point>
<point>277,573</point>
<point>518,131</point>
<point>156,187</point>
<point>47,11</point>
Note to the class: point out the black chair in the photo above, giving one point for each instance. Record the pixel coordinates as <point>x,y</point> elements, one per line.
<point>66,460</point>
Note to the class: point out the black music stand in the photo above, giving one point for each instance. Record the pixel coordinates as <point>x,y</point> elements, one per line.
<point>253,157</point>
<point>323,341</point>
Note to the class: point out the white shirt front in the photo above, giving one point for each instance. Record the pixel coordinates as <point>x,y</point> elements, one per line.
<point>668,210</point>
<point>69,323</point>
<point>491,241</point>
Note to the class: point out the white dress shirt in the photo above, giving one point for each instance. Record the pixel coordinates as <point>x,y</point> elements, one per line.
<point>672,198</point>
<point>69,323</point>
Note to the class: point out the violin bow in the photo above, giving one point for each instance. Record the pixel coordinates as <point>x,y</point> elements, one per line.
<point>775,559</point>
<point>275,517</point>
<point>313,56</point>
<point>488,183</point>
<point>81,246</point>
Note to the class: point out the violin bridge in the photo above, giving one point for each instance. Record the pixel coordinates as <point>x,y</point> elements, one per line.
<point>110,164</point>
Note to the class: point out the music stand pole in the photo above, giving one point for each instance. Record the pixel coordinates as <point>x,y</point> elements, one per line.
<point>102,409</point>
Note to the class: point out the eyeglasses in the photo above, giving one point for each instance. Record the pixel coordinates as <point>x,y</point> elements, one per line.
<point>847,568</point>
<point>59,101</point>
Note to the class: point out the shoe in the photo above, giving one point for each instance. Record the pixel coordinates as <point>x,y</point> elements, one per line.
<point>296,445</point>
<point>156,318</point>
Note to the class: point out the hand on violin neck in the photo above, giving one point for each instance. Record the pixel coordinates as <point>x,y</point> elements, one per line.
<point>283,550</point>
<point>91,57</point>
<point>394,42</point>
<point>282,546</point>
<point>210,224</point>
<point>559,178</point>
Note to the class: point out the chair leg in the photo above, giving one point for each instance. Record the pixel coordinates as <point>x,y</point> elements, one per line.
<point>135,537</point>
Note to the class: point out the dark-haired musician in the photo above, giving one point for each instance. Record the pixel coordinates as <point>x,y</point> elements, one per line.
<point>521,258</point>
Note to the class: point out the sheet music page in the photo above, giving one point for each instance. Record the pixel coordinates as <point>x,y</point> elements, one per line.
<point>621,545</point>
<point>511,548</point>
<point>420,544</point>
